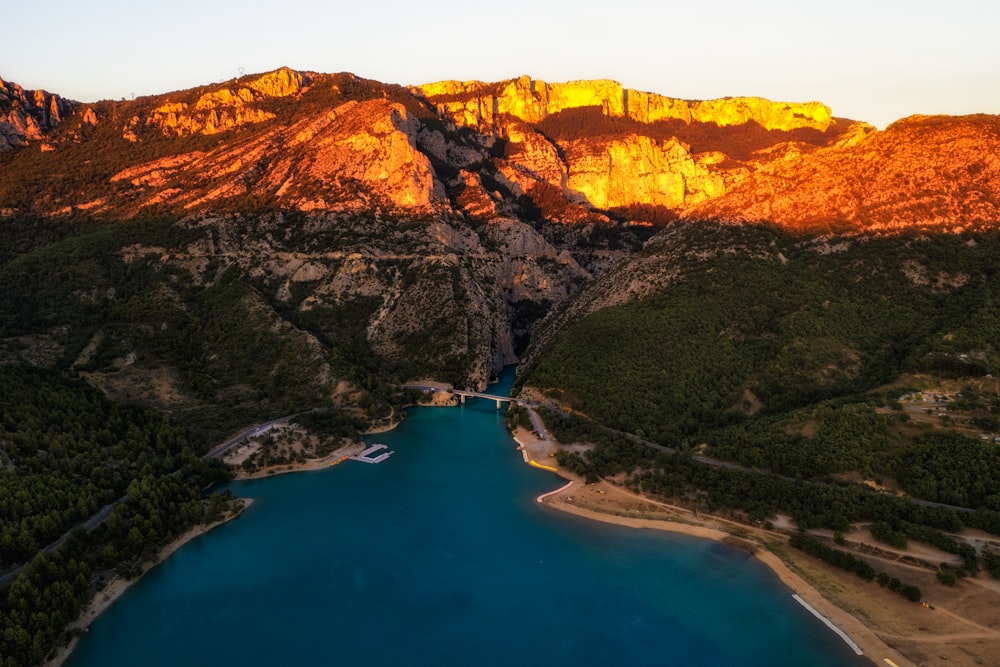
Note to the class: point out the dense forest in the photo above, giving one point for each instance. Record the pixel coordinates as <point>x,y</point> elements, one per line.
<point>773,329</point>
<point>773,366</point>
<point>67,451</point>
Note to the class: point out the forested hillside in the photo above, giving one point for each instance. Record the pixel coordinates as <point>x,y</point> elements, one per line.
<point>66,452</point>
<point>791,356</point>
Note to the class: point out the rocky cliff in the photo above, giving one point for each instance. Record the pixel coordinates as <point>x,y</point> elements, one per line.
<point>222,109</point>
<point>27,115</point>
<point>578,153</point>
<point>477,104</point>
<point>921,171</point>
<point>355,155</point>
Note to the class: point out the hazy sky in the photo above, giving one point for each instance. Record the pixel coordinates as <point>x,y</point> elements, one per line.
<point>873,60</point>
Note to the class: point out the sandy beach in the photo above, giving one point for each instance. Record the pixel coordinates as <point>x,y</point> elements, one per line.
<point>107,596</point>
<point>960,632</point>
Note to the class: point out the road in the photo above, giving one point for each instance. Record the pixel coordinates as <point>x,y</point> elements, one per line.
<point>217,452</point>
<point>538,424</point>
<point>728,464</point>
<point>539,427</point>
<point>98,518</point>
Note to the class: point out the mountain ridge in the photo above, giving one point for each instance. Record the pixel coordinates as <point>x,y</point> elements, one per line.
<point>579,152</point>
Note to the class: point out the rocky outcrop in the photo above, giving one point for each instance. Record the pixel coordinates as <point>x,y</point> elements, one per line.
<point>178,119</point>
<point>358,154</point>
<point>478,104</point>
<point>226,108</point>
<point>27,115</point>
<point>531,158</point>
<point>369,145</point>
<point>639,170</point>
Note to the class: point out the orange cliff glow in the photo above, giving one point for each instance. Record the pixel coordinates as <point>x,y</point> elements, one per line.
<point>223,109</point>
<point>474,103</point>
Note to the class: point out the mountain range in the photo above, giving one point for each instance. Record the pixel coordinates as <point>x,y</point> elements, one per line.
<point>576,153</point>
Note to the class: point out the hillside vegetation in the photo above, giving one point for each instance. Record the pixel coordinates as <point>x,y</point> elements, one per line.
<point>788,355</point>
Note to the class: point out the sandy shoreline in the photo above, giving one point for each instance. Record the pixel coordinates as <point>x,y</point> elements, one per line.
<point>572,499</point>
<point>874,648</point>
<point>107,596</point>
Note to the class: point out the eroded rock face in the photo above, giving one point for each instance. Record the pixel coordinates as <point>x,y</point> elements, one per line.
<point>374,144</point>
<point>27,115</point>
<point>346,157</point>
<point>224,109</point>
<point>474,104</point>
<point>639,170</point>
<point>619,166</point>
<point>438,288</point>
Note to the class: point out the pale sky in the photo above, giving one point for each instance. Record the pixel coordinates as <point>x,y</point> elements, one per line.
<point>871,60</point>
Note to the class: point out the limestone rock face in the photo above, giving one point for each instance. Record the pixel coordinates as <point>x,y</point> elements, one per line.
<point>227,108</point>
<point>214,118</point>
<point>374,145</point>
<point>474,103</point>
<point>27,115</point>
<point>282,82</point>
<point>639,170</point>
<point>356,154</point>
<point>626,162</point>
<point>533,158</point>
<point>473,199</point>
<point>439,287</point>
<point>728,111</point>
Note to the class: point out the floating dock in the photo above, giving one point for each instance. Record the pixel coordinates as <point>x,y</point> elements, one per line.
<point>369,456</point>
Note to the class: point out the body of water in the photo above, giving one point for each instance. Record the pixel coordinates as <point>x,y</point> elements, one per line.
<point>441,556</point>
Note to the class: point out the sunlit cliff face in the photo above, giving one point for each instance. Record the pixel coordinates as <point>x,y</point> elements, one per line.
<point>603,146</point>
<point>580,152</point>
<point>221,110</point>
<point>474,103</point>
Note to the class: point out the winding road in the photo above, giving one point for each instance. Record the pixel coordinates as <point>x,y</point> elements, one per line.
<point>98,518</point>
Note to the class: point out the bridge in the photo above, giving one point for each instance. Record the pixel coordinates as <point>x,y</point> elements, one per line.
<point>463,394</point>
<point>475,394</point>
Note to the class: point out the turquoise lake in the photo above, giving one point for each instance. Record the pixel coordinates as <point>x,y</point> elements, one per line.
<point>441,556</point>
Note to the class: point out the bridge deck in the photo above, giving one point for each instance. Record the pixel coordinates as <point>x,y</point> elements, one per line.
<point>476,394</point>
